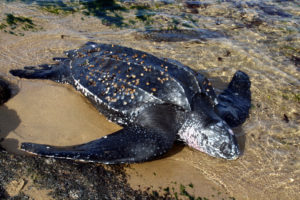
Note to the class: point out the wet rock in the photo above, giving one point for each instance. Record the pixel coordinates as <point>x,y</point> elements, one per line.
<point>165,1</point>
<point>74,194</point>
<point>251,21</point>
<point>1,148</point>
<point>66,179</point>
<point>196,4</point>
<point>255,22</point>
<point>50,161</point>
<point>177,35</point>
<point>296,61</point>
<point>227,53</point>
<point>266,8</point>
<point>272,10</point>
<point>285,118</point>
<point>3,194</point>
<point>15,187</point>
<point>193,6</point>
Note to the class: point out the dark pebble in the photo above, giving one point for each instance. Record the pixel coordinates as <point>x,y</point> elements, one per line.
<point>285,118</point>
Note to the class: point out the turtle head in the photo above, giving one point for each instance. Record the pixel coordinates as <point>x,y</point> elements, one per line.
<point>210,135</point>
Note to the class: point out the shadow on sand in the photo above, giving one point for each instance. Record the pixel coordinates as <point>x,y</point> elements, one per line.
<point>9,121</point>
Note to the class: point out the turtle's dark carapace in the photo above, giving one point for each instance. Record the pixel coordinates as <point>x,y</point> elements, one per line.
<point>153,98</point>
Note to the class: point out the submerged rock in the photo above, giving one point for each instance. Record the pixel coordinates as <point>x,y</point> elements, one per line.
<point>273,10</point>
<point>179,35</point>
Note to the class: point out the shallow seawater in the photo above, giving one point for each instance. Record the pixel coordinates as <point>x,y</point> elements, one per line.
<point>216,38</point>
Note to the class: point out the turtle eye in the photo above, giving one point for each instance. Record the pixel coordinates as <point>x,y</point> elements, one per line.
<point>225,148</point>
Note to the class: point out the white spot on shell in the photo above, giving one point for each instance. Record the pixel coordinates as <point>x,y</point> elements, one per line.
<point>216,101</point>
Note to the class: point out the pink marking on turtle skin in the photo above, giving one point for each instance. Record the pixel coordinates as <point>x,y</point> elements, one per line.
<point>192,142</point>
<point>230,131</point>
<point>189,136</point>
<point>199,149</point>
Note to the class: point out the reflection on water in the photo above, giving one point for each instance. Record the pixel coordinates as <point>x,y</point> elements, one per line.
<point>215,37</point>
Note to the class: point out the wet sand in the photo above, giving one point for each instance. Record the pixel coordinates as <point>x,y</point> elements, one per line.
<point>47,112</point>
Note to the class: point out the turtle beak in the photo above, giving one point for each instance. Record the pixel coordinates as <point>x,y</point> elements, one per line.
<point>221,141</point>
<point>211,136</point>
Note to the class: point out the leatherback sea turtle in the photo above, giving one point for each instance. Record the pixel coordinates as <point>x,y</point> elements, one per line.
<point>156,101</point>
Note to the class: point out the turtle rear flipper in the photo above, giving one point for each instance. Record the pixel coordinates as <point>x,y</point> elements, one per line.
<point>134,143</point>
<point>55,72</point>
<point>235,101</point>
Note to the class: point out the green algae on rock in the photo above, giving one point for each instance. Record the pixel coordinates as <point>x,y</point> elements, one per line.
<point>17,25</point>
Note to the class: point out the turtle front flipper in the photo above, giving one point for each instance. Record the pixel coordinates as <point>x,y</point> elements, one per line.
<point>55,72</point>
<point>129,145</point>
<point>235,101</point>
<point>135,143</point>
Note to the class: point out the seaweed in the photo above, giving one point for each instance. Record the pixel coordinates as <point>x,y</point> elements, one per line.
<point>183,192</point>
<point>2,26</point>
<point>291,96</point>
<point>115,12</point>
<point>15,25</point>
<point>54,9</point>
<point>13,20</point>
